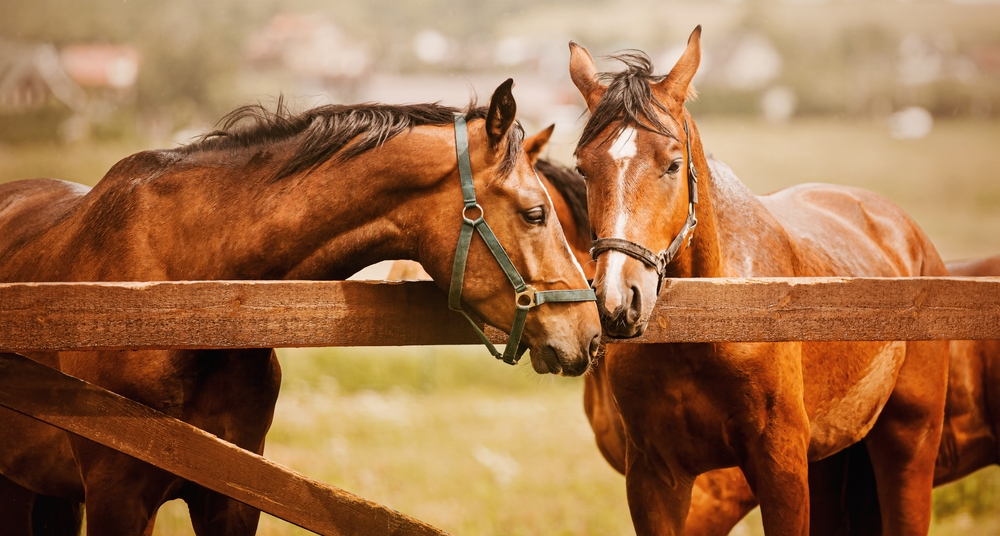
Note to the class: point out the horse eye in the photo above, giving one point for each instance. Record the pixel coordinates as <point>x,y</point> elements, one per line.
<point>581,173</point>
<point>675,166</point>
<point>535,216</point>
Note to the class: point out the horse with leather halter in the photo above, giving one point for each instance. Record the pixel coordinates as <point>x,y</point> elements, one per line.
<point>316,195</point>
<point>659,208</point>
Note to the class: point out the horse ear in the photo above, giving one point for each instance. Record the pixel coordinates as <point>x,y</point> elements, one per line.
<point>677,85</point>
<point>584,75</point>
<point>533,146</point>
<point>501,114</point>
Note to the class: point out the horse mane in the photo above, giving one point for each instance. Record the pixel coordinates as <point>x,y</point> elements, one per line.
<point>324,132</point>
<point>629,100</point>
<point>573,188</point>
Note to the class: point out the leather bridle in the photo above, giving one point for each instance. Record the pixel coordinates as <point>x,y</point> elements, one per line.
<point>526,296</point>
<point>659,261</point>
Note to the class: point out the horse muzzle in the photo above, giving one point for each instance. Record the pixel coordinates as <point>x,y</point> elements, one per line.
<point>625,302</point>
<point>569,359</point>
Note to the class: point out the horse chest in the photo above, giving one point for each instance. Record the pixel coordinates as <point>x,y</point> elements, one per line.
<point>680,401</point>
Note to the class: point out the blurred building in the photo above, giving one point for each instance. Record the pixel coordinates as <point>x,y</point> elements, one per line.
<point>110,67</point>
<point>31,74</point>
<point>318,55</point>
<point>44,91</point>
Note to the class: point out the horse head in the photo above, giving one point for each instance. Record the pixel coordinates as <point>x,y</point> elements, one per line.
<point>562,329</point>
<point>642,189</point>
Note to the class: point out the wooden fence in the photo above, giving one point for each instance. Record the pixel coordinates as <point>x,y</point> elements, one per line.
<point>242,314</point>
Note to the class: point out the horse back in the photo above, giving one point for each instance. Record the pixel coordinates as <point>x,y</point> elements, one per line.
<point>845,231</point>
<point>30,207</point>
<point>989,266</point>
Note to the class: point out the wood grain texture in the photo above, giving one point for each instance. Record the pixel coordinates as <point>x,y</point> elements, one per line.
<point>139,431</point>
<point>825,309</point>
<point>261,314</point>
<point>227,314</point>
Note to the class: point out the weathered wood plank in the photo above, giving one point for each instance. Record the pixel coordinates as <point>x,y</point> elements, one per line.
<point>238,314</point>
<point>227,314</point>
<point>826,309</point>
<point>127,426</point>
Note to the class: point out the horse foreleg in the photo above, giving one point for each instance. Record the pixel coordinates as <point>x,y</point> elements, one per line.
<point>658,493</point>
<point>216,514</point>
<point>720,499</point>
<point>903,444</point>
<point>776,466</point>
<point>122,492</point>
<point>842,498</point>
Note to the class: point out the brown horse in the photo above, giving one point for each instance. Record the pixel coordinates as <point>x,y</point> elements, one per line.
<point>767,408</point>
<point>317,195</point>
<point>720,498</point>
<point>968,443</point>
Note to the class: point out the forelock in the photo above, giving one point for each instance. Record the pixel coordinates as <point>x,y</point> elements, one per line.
<point>629,100</point>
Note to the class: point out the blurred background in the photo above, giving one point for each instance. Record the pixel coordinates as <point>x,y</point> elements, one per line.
<point>901,97</point>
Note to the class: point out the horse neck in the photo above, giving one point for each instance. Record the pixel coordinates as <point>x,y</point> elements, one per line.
<point>383,200</point>
<point>199,218</point>
<point>729,217</point>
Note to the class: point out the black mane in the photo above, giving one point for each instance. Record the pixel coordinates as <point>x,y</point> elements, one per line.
<point>573,188</point>
<point>324,132</point>
<point>629,100</point>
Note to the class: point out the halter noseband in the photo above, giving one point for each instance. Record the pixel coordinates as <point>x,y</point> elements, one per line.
<point>659,261</point>
<point>526,296</point>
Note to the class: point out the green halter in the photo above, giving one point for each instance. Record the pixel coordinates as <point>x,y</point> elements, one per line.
<point>526,296</point>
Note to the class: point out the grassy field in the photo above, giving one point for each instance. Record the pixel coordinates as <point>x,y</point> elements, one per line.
<point>476,447</point>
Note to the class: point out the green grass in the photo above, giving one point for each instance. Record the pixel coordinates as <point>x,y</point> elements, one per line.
<point>419,429</point>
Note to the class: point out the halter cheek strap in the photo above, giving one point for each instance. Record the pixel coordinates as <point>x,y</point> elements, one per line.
<point>526,296</point>
<point>659,261</point>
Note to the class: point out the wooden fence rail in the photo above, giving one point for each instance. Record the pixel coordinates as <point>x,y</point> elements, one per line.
<point>260,314</point>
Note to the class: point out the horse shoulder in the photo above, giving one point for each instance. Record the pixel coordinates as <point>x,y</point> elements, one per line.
<point>753,241</point>
<point>847,231</point>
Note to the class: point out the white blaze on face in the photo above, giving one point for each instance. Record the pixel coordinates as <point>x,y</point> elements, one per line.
<point>621,152</point>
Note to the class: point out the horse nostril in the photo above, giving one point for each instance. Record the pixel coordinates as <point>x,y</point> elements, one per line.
<point>595,346</point>
<point>634,307</point>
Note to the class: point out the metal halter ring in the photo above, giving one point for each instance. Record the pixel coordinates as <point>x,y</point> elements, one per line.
<point>482,214</point>
<point>528,293</point>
